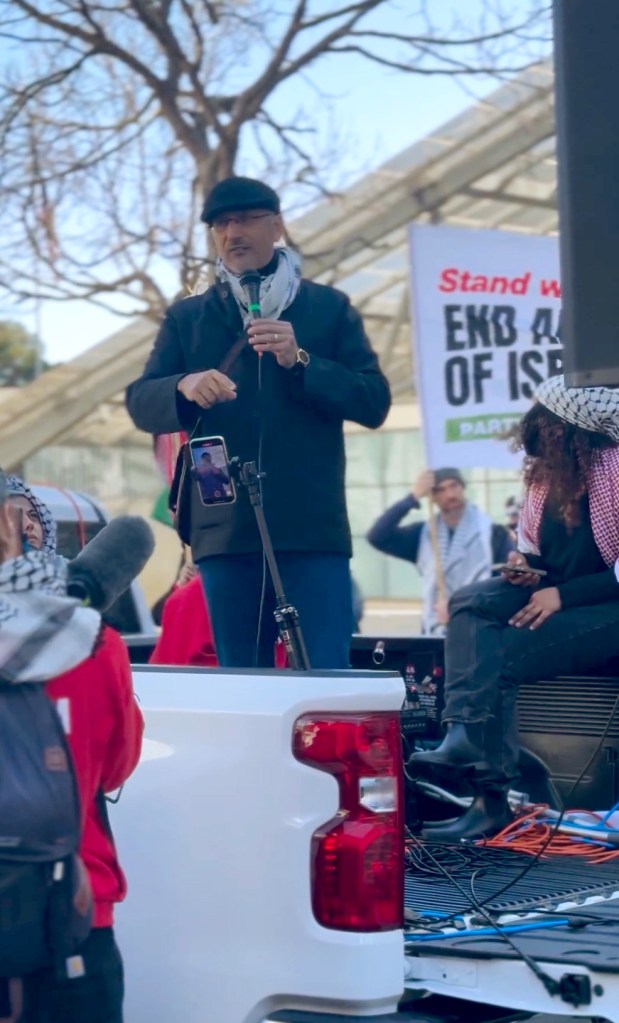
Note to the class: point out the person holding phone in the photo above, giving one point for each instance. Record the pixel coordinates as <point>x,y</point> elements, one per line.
<point>277,388</point>
<point>555,609</point>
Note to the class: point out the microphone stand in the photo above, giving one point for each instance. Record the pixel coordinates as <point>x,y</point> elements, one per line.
<point>286,614</point>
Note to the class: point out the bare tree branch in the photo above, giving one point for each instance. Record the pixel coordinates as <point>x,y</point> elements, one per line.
<point>118,116</point>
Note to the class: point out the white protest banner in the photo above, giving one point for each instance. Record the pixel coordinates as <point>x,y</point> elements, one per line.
<point>485,312</point>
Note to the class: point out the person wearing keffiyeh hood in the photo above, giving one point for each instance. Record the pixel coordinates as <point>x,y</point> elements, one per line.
<point>46,636</point>
<point>524,627</point>
<point>278,388</point>
<point>42,631</point>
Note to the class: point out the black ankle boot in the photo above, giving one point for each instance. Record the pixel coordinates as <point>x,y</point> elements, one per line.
<point>488,814</point>
<point>463,746</point>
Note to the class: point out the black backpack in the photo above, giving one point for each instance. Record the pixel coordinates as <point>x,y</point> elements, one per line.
<point>45,900</point>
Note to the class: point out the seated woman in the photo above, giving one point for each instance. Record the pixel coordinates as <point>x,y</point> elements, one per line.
<point>524,627</point>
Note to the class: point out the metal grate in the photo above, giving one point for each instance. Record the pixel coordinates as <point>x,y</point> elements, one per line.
<point>569,706</point>
<point>546,884</point>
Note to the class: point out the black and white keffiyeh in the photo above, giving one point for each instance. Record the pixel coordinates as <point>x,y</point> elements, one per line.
<point>43,632</point>
<point>16,486</point>
<point>277,291</point>
<point>591,408</point>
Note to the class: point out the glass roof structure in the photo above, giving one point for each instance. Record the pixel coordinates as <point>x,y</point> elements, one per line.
<point>493,166</point>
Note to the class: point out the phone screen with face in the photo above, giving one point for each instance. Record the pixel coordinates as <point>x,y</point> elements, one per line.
<point>211,470</point>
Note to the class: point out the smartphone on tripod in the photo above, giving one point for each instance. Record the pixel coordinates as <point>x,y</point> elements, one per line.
<point>211,470</point>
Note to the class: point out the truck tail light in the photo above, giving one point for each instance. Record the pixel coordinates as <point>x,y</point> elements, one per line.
<point>357,857</point>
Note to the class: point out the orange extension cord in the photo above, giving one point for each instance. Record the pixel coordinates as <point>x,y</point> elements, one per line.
<point>531,835</point>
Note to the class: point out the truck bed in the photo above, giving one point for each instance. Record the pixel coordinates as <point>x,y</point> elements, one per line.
<point>562,913</point>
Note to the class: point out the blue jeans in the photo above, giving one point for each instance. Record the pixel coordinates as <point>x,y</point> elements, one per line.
<point>318,585</point>
<point>486,658</point>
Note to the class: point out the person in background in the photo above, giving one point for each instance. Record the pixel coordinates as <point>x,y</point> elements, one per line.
<point>468,543</point>
<point>104,728</point>
<point>211,480</point>
<point>38,526</point>
<point>523,627</point>
<point>186,634</point>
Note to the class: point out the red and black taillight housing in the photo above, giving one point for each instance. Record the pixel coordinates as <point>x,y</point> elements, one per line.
<point>357,858</point>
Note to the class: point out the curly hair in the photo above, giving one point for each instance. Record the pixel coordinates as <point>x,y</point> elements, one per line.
<point>558,455</point>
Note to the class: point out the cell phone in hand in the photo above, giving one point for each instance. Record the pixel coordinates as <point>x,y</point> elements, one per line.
<point>211,470</point>
<point>520,570</point>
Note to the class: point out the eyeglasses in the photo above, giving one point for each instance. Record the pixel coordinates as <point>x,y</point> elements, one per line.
<point>221,224</point>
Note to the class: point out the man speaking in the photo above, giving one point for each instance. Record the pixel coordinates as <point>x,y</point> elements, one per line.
<point>279,399</point>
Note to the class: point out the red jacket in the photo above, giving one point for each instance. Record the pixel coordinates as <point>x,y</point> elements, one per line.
<point>186,633</point>
<point>104,728</point>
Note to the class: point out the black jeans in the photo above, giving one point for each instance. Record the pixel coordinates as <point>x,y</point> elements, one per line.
<point>97,997</point>
<point>486,659</point>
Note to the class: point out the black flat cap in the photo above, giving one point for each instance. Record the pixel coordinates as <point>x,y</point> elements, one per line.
<point>239,194</point>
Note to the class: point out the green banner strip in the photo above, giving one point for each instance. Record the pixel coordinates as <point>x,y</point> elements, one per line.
<point>479,427</point>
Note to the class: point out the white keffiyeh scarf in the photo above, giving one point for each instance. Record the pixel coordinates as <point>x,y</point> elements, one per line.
<point>277,291</point>
<point>466,557</point>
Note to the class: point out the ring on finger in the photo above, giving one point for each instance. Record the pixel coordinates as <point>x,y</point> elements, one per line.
<point>275,337</point>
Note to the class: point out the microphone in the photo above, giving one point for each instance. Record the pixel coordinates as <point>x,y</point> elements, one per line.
<point>250,283</point>
<point>110,562</point>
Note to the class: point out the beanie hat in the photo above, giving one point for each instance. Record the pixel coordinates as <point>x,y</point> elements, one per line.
<point>239,194</point>
<point>441,475</point>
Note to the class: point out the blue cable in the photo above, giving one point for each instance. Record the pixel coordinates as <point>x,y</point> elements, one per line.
<point>483,931</point>
<point>609,815</point>
<point>435,912</point>
<point>585,827</point>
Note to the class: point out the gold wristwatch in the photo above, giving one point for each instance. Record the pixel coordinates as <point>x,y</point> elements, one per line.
<point>303,358</point>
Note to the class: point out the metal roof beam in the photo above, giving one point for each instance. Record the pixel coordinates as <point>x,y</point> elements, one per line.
<point>511,198</point>
<point>426,191</point>
<point>65,395</point>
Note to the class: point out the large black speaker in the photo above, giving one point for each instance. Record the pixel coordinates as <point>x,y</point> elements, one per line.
<point>562,721</point>
<point>587,93</point>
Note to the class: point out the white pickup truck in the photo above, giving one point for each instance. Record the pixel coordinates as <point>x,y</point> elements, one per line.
<point>263,838</point>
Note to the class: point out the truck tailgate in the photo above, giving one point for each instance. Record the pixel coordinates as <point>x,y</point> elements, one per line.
<point>561,913</point>
<point>214,832</point>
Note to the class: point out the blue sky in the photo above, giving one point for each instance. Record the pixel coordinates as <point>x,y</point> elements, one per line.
<point>382,111</point>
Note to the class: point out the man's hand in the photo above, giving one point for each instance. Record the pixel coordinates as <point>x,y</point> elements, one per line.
<point>541,606</point>
<point>207,388</point>
<point>519,578</point>
<point>11,545</point>
<point>276,337</point>
<point>424,485</point>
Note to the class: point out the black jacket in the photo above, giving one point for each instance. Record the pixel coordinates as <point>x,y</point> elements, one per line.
<point>298,413</point>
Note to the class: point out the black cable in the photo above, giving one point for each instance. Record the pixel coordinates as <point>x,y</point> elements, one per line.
<point>264,560</point>
<point>534,860</point>
<point>550,984</point>
<point>555,830</point>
